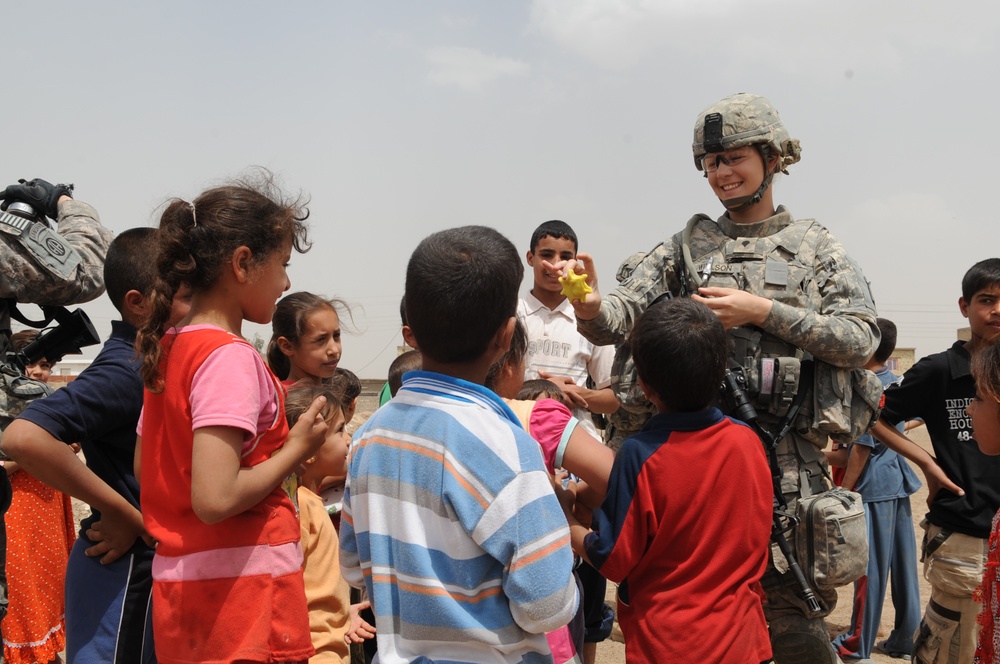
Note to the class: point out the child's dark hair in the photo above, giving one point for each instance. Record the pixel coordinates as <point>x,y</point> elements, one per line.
<point>346,384</point>
<point>289,321</point>
<point>680,350</point>
<point>461,287</point>
<point>982,275</point>
<point>197,239</point>
<point>131,264</point>
<point>514,355</point>
<point>985,369</point>
<point>539,388</point>
<point>303,393</point>
<point>888,343</point>
<point>408,361</point>
<point>555,228</point>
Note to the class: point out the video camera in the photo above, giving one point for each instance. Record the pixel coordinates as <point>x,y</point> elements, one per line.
<point>73,332</point>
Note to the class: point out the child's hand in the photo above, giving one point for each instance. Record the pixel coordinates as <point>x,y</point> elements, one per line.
<point>566,496</point>
<point>583,514</point>
<point>115,534</point>
<point>360,630</point>
<point>937,480</point>
<point>570,390</point>
<point>309,433</point>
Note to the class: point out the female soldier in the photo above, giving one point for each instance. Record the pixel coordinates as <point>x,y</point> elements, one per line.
<point>786,291</point>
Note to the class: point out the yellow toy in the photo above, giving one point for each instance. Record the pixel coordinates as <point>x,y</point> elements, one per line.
<point>574,286</point>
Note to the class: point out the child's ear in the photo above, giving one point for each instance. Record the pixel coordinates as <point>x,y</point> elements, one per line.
<point>652,396</point>
<point>241,263</point>
<point>135,305</point>
<point>530,258</point>
<point>286,347</point>
<point>505,334</point>
<point>408,337</point>
<point>963,306</point>
<point>135,302</point>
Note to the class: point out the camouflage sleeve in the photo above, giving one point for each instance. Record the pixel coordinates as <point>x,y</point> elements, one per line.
<point>843,332</point>
<point>653,276</point>
<point>27,280</point>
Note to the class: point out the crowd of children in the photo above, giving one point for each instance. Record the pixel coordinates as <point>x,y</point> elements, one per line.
<point>462,506</point>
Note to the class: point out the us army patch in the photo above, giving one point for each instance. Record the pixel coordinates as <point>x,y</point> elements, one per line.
<point>51,251</point>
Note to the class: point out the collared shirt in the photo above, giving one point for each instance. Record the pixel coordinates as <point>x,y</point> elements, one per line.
<point>556,347</point>
<point>937,389</point>
<point>450,522</point>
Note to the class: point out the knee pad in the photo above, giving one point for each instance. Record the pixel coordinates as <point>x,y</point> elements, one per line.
<point>796,639</point>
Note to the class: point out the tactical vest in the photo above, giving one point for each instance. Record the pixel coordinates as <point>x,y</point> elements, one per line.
<point>842,403</point>
<point>839,403</point>
<point>779,266</point>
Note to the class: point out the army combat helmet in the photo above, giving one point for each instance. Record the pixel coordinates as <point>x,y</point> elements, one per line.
<point>740,120</point>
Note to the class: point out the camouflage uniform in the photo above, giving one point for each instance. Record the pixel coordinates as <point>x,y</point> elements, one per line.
<point>68,271</point>
<point>822,306</point>
<point>28,279</point>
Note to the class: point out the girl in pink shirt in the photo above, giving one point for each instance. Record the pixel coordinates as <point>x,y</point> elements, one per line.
<point>215,445</point>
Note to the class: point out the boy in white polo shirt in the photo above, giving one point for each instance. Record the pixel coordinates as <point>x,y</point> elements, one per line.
<point>556,351</point>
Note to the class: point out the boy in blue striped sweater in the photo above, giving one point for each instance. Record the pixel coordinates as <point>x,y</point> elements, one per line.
<point>449,516</point>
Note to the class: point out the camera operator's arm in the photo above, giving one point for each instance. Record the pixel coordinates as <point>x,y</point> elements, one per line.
<point>55,463</point>
<point>28,278</point>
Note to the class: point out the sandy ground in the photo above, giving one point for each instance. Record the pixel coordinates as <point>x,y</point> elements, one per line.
<point>613,652</point>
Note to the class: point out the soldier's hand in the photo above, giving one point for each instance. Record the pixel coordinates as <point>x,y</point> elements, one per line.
<point>590,306</point>
<point>43,196</point>
<point>734,307</point>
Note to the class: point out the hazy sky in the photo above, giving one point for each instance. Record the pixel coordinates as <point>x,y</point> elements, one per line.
<point>403,118</point>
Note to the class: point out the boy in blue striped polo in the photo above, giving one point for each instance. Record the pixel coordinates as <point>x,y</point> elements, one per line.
<point>449,516</point>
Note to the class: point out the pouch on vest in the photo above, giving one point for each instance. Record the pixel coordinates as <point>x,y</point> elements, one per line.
<point>831,539</point>
<point>845,405</point>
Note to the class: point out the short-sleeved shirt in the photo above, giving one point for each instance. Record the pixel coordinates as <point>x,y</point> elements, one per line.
<point>557,348</point>
<point>886,476</point>
<point>684,528</point>
<point>937,389</point>
<point>99,410</point>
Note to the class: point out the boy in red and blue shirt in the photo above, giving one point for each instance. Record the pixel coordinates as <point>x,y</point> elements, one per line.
<point>685,525</point>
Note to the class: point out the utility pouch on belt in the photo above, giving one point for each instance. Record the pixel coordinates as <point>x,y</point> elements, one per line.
<point>771,366</point>
<point>845,404</point>
<point>831,540</point>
